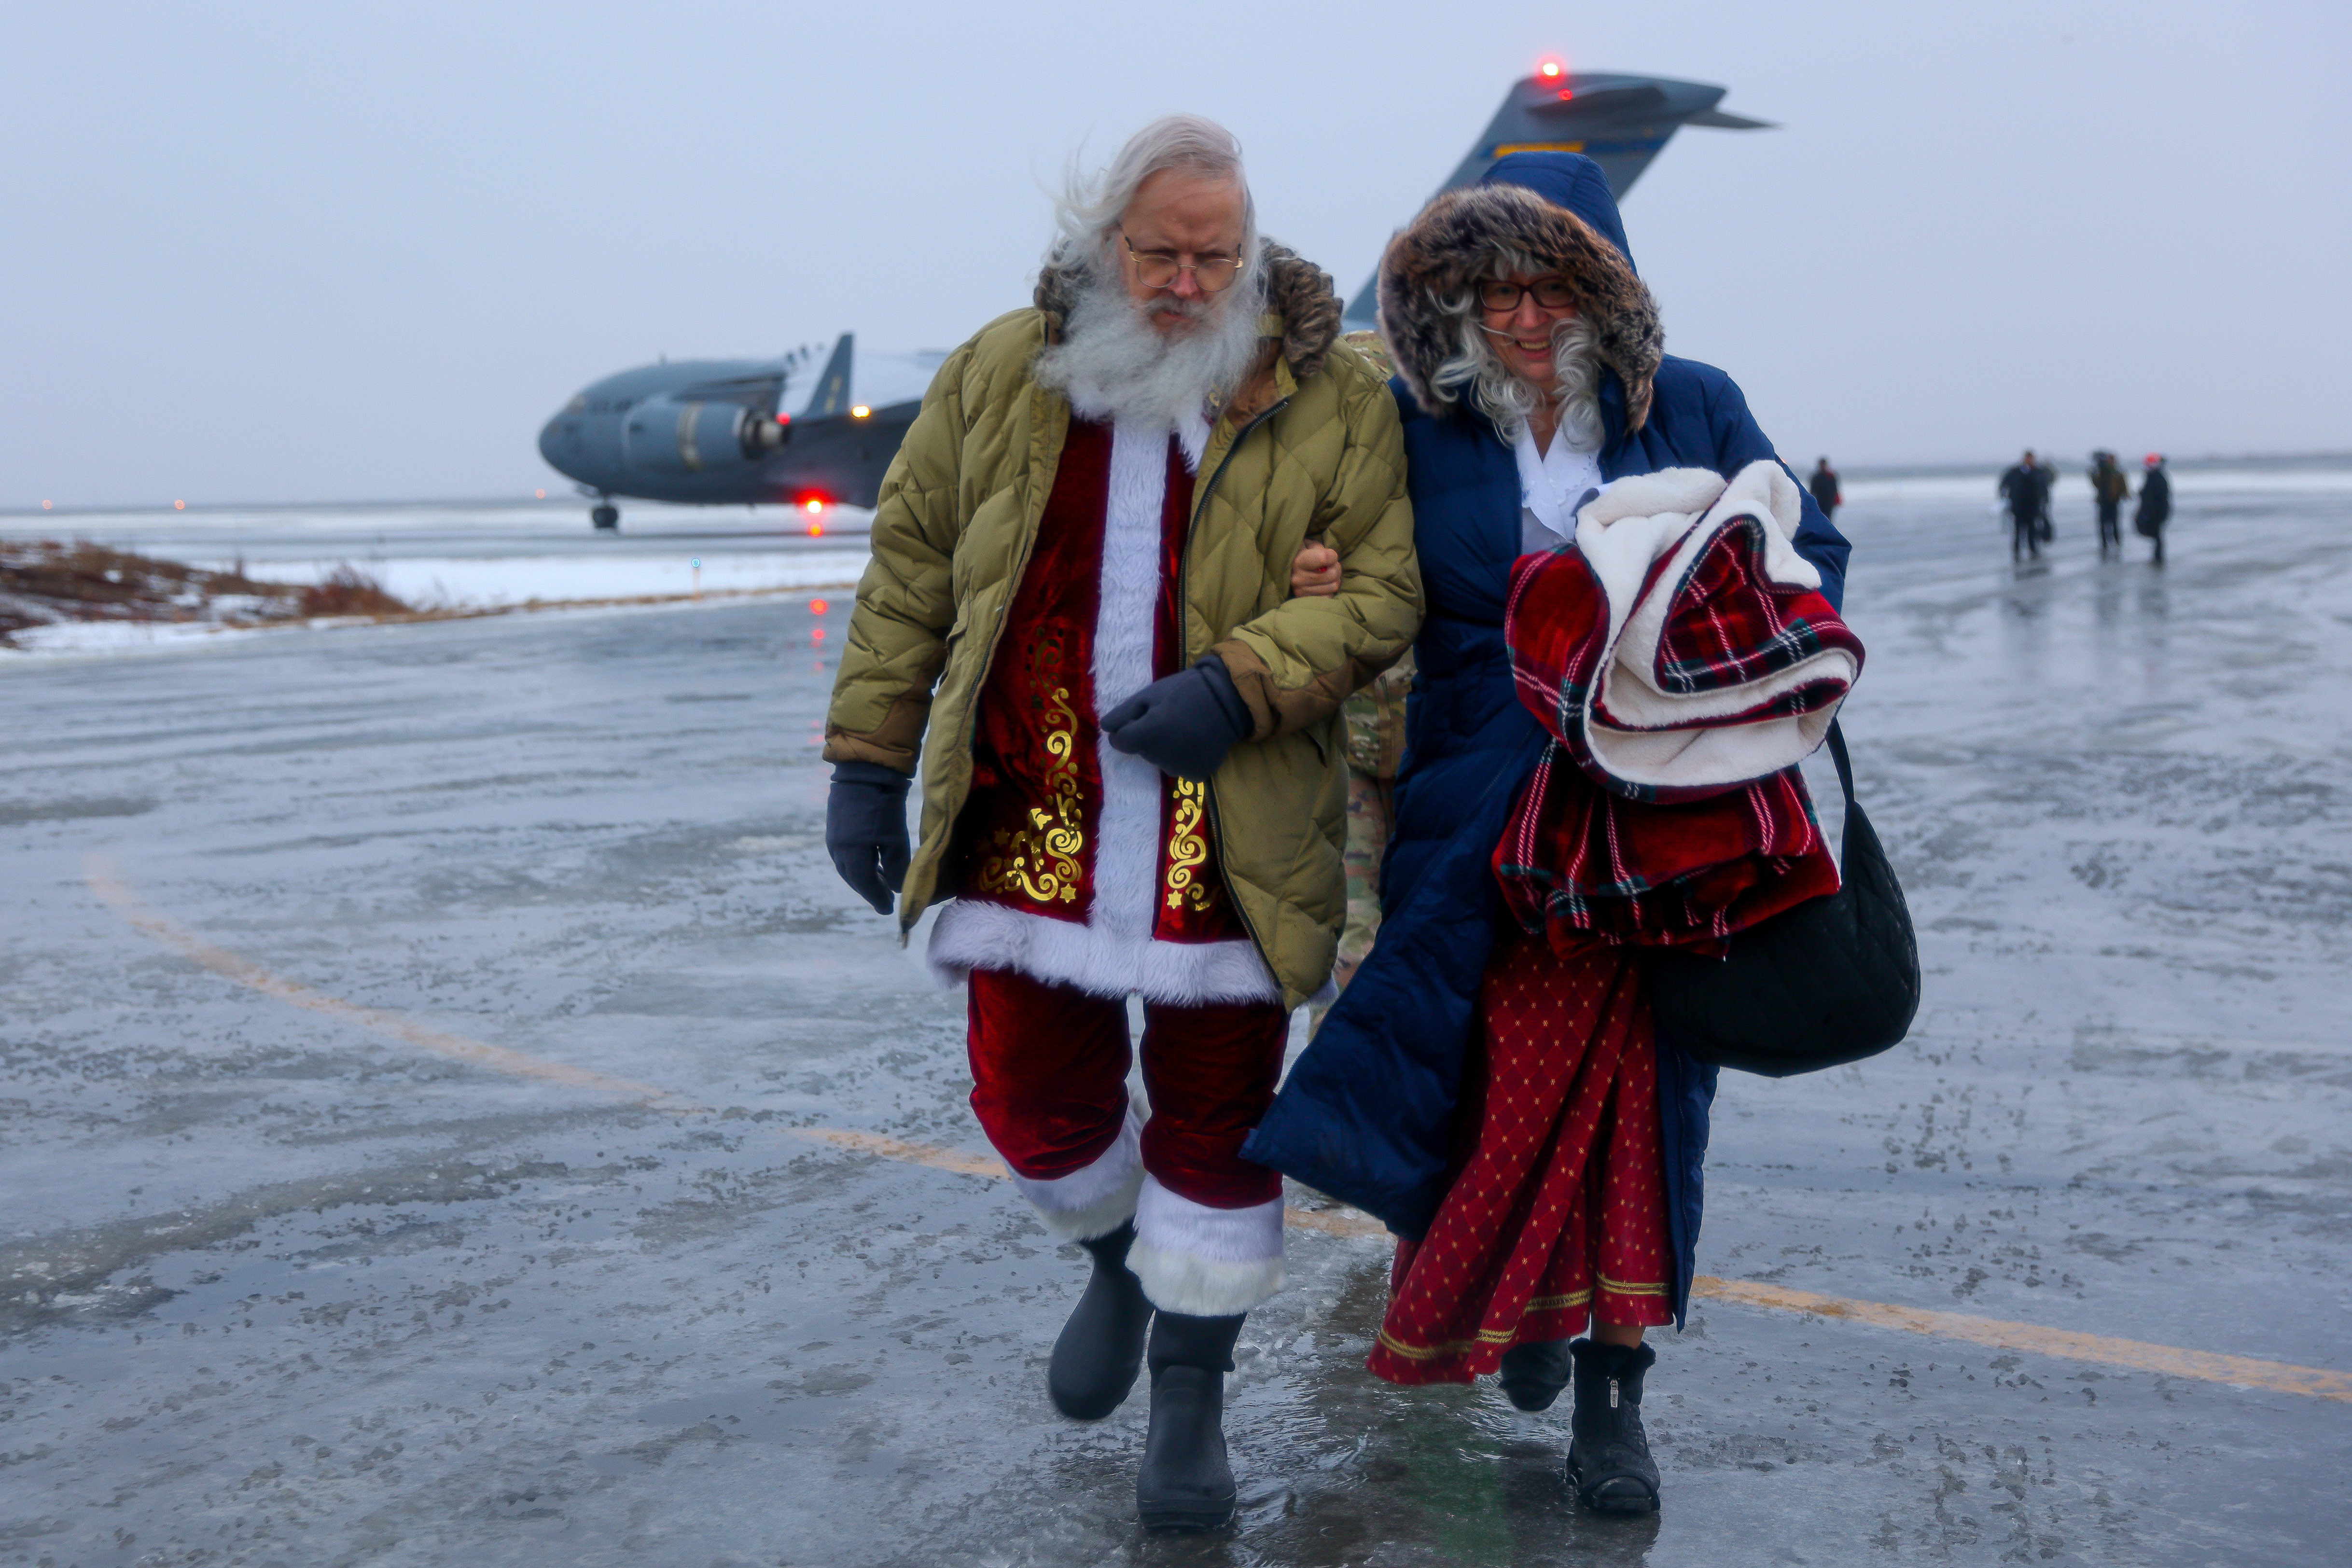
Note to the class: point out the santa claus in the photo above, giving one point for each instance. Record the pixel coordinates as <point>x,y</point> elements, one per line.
<point>1080,613</point>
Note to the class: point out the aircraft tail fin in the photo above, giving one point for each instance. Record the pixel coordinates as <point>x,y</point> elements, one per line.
<point>1621,122</point>
<point>831,393</point>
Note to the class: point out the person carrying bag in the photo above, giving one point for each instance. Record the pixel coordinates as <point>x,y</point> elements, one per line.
<point>1584,783</point>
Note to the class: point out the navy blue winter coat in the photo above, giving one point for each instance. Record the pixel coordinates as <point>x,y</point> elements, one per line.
<point>1367,1113</point>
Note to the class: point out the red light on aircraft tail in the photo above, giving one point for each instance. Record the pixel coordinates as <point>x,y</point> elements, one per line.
<point>1550,71</point>
<point>1565,94</point>
<point>782,418</point>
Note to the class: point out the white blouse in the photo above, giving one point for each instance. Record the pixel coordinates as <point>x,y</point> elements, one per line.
<point>1552,484</point>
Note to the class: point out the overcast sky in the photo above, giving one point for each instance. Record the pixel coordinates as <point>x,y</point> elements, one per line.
<point>307,252</point>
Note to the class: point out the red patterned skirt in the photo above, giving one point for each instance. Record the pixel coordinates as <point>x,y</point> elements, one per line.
<point>1559,1215</point>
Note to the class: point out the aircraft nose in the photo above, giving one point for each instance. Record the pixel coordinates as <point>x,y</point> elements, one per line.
<point>562,440</point>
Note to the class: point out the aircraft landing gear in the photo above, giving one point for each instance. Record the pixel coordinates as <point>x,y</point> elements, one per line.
<point>606,516</point>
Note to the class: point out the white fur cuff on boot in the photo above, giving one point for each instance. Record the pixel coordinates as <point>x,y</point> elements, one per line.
<point>1201,1261</point>
<point>1095,1199</point>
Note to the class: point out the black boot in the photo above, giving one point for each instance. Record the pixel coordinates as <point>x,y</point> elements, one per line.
<point>1101,1347</point>
<point>1609,1461</point>
<point>1185,1482</point>
<point>1534,1374</point>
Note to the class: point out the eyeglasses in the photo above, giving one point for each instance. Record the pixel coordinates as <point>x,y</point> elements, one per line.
<point>1158,269</point>
<point>1551,293</point>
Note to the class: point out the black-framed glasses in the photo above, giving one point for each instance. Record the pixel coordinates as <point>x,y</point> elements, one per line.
<point>1158,269</point>
<point>1552,293</point>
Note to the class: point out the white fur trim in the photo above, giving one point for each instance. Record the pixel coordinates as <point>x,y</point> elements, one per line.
<point>1095,1199</point>
<point>970,934</point>
<point>1126,828</point>
<point>1113,954</point>
<point>1203,1261</point>
<point>1676,513</point>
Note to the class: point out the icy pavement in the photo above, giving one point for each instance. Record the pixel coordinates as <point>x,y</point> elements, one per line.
<point>289,1277</point>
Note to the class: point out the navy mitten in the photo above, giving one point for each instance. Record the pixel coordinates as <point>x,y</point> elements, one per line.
<point>1184,723</point>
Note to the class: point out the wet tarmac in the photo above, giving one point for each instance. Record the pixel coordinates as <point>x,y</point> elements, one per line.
<point>283,1284</point>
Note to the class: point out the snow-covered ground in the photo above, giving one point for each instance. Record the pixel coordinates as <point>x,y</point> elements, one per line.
<point>455,558</point>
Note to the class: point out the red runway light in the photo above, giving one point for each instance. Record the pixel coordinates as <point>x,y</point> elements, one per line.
<point>783,418</point>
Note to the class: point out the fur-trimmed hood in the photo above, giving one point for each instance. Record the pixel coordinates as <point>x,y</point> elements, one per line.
<point>1296,290</point>
<point>1456,240</point>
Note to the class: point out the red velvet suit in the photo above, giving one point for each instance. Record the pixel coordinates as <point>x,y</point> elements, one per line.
<point>1086,876</point>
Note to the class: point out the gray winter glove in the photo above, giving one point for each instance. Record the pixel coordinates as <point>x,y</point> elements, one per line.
<point>1184,723</point>
<point>866,830</point>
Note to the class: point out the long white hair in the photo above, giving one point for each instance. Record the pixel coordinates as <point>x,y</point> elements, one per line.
<point>1475,370</point>
<point>1088,206</point>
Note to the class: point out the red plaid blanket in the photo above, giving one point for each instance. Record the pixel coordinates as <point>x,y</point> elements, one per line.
<point>1680,692</point>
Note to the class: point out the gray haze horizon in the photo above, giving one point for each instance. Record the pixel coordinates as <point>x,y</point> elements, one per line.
<point>270,254</point>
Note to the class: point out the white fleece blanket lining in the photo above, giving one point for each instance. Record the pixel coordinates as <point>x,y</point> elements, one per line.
<point>1675,513</point>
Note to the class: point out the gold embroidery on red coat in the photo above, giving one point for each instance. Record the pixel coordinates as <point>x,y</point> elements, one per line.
<point>1188,850</point>
<point>1041,861</point>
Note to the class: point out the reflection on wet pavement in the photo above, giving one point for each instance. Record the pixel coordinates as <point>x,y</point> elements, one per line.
<point>279,1288</point>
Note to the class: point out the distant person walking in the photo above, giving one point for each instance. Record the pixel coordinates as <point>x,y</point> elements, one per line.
<point>2155,504</point>
<point>1823,483</point>
<point>2111,491</point>
<point>2025,486</point>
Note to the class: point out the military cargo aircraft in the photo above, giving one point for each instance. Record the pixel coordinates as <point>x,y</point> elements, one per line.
<point>727,433</point>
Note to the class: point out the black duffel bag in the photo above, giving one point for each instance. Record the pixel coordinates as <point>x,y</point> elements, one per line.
<point>1830,981</point>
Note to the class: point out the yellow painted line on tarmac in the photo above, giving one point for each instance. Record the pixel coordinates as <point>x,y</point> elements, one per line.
<point>2243,1371</point>
<point>931,1154</point>
<point>105,880</point>
<point>2239,1371</point>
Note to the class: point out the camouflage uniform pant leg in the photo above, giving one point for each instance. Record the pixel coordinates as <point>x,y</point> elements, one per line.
<point>1375,718</point>
<point>1371,811</point>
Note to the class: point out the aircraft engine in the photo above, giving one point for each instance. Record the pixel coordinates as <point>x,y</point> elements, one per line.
<point>674,435</point>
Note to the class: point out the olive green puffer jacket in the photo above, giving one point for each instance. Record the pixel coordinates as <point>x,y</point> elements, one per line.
<point>1309,449</point>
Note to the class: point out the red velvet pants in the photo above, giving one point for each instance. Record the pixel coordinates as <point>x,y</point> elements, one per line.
<point>1049,1083</point>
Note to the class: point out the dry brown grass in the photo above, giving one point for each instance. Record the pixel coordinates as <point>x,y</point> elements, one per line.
<point>351,591</point>
<point>43,581</point>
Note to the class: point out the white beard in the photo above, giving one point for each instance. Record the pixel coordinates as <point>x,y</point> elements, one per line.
<point>1114,365</point>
